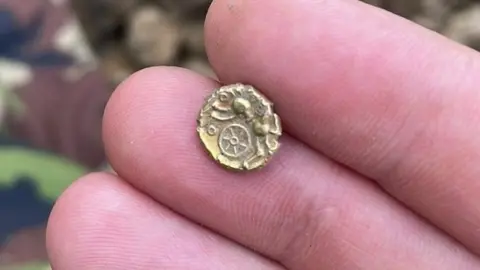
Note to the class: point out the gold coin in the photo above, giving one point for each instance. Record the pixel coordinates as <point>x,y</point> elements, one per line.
<point>238,127</point>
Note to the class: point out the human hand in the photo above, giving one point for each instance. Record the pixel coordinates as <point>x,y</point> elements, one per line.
<point>379,170</point>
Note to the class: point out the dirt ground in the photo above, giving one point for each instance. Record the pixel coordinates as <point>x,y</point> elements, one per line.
<point>122,38</point>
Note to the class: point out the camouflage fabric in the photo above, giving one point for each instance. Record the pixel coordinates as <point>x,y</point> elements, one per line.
<point>59,62</point>
<point>51,100</point>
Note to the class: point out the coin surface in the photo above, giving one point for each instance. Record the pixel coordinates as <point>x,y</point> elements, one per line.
<point>239,128</point>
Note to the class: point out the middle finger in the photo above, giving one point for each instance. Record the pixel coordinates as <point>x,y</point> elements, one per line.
<point>302,210</point>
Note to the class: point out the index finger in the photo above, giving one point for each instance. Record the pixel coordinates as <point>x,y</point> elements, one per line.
<point>373,91</point>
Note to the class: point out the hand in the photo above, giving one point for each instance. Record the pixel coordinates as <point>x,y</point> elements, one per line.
<point>380,168</point>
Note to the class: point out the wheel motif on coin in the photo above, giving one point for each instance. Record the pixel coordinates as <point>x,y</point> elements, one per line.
<point>234,140</point>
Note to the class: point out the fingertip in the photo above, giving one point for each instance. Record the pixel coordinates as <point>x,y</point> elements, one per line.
<point>140,87</point>
<point>73,219</point>
<point>101,222</point>
<point>151,110</point>
<point>219,31</point>
<point>86,186</point>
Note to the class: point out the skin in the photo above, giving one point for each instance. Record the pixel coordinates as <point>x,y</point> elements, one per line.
<point>378,169</point>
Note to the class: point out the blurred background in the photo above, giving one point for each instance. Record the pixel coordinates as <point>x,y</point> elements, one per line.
<point>61,59</point>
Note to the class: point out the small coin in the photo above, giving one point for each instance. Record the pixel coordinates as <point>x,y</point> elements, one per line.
<point>239,128</point>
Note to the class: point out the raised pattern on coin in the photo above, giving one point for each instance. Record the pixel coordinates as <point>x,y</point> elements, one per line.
<point>238,127</point>
<point>234,140</point>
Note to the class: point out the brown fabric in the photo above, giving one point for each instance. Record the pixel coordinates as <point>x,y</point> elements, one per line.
<point>26,245</point>
<point>64,117</point>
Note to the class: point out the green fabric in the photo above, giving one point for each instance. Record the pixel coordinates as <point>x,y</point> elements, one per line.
<point>52,174</point>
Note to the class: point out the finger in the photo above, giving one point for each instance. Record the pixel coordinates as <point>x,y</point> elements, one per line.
<point>301,210</point>
<point>103,223</point>
<point>381,95</point>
